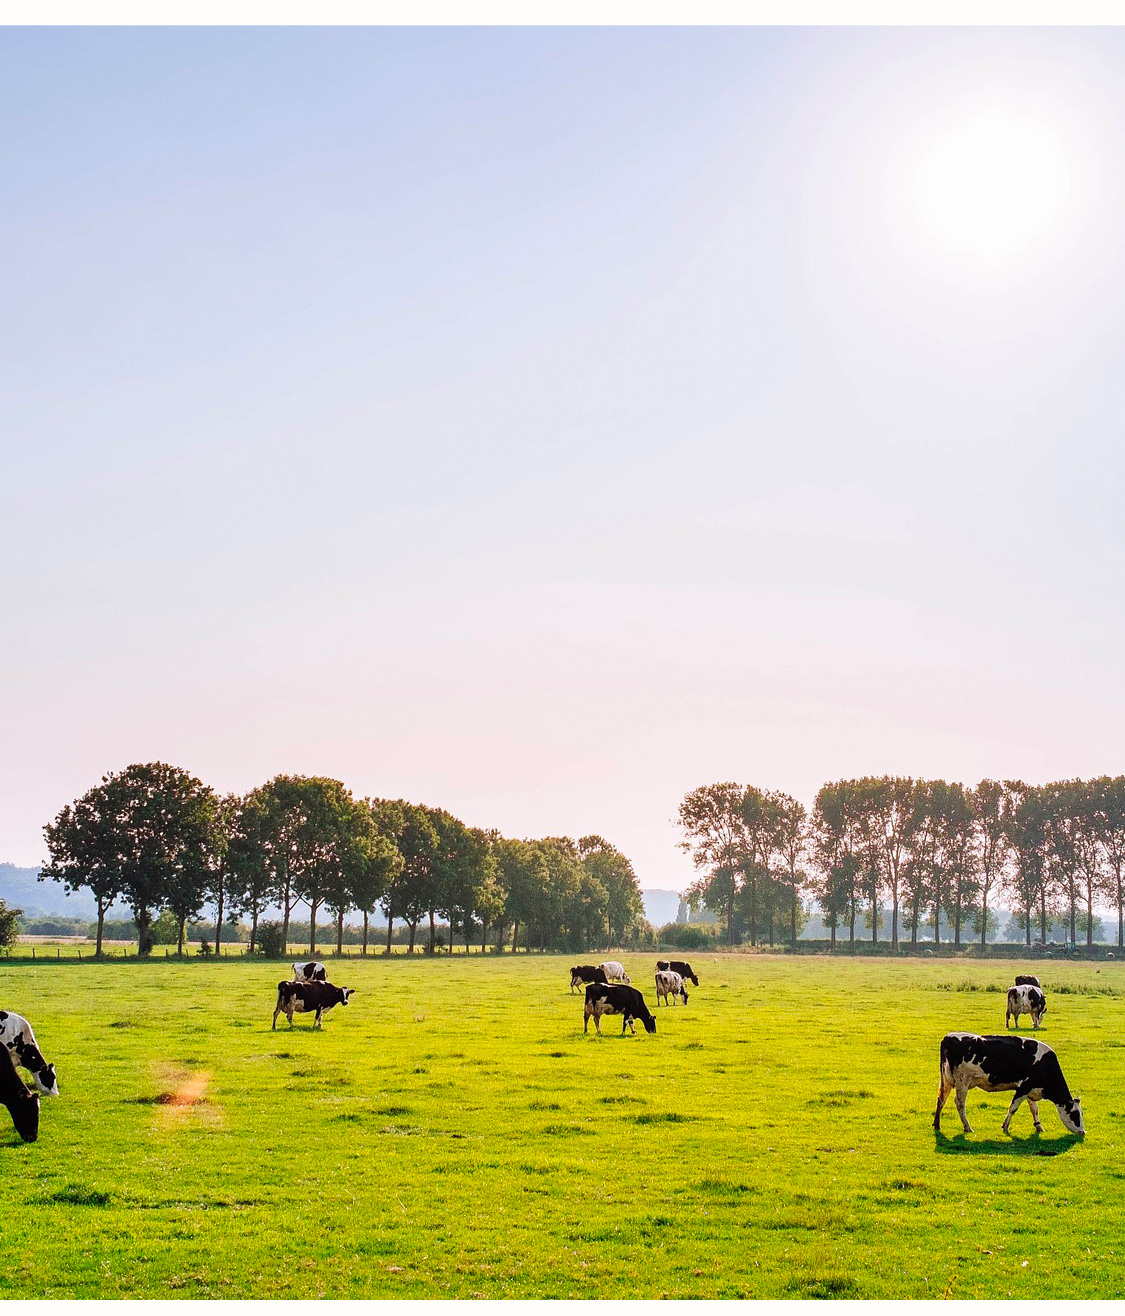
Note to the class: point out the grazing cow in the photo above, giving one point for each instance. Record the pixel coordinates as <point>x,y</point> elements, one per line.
<point>583,973</point>
<point>1027,980</point>
<point>615,998</point>
<point>669,984</point>
<point>16,1036</point>
<point>1025,1000</point>
<point>300,997</point>
<point>999,1064</point>
<point>614,971</point>
<point>310,971</point>
<point>22,1103</point>
<point>682,967</point>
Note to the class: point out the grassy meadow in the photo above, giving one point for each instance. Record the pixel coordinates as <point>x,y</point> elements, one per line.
<point>452,1133</point>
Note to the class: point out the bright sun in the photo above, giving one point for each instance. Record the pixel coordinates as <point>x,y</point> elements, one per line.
<point>993,185</point>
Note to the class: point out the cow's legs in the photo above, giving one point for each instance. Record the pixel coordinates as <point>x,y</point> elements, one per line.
<point>959,1100</point>
<point>586,1022</point>
<point>1017,1099</point>
<point>1008,1019</point>
<point>1035,1114</point>
<point>316,1021</point>
<point>943,1091</point>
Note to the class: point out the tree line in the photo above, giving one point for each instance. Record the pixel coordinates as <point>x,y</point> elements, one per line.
<point>160,840</point>
<point>931,851</point>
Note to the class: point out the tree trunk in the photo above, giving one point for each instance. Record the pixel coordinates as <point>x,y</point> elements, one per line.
<point>365,917</point>
<point>253,929</point>
<point>219,924</point>
<point>515,935</point>
<point>313,904</point>
<point>914,923</point>
<point>413,929</point>
<point>143,919</point>
<point>340,932</point>
<point>793,921</point>
<point>180,940</point>
<point>390,920</point>
<point>894,919</point>
<point>101,928</point>
<point>937,925</point>
<point>984,920</point>
<point>851,924</point>
<point>430,949</point>
<point>1043,916</point>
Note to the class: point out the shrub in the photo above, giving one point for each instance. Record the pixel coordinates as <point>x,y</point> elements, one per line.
<point>685,936</point>
<point>269,942</point>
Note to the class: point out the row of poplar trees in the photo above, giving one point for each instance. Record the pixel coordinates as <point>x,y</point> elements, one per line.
<point>927,849</point>
<point>158,839</point>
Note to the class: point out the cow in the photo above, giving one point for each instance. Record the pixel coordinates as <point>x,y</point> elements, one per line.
<point>22,1103</point>
<point>300,997</point>
<point>583,973</point>
<point>310,971</point>
<point>616,998</point>
<point>1002,1063</point>
<point>669,984</point>
<point>1027,980</point>
<point>1025,1000</point>
<point>18,1039</point>
<point>614,971</point>
<point>682,967</point>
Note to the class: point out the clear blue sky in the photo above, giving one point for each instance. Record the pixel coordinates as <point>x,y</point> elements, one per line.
<point>543,423</point>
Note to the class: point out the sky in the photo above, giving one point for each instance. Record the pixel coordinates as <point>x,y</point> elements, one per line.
<point>542,423</point>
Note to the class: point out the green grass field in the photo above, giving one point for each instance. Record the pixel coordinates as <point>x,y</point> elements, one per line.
<point>452,1133</point>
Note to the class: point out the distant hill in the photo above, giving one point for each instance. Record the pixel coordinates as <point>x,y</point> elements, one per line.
<point>661,906</point>
<point>21,887</point>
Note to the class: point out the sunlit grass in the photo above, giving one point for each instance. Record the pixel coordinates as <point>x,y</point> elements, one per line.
<point>453,1133</point>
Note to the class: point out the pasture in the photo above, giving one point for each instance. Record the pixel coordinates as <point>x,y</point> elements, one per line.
<point>452,1133</point>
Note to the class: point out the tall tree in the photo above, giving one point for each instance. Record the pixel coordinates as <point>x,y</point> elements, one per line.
<point>713,823</point>
<point>378,865</point>
<point>791,840</point>
<point>991,806</point>
<point>83,843</point>
<point>612,870</point>
<point>1109,814</point>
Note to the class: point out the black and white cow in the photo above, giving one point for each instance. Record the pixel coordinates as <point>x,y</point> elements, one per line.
<point>1025,1000</point>
<point>300,997</point>
<point>18,1039</point>
<point>682,967</point>
<point>583,973</point>
<point>1027,980</point>
<point>617,998</point>
<point>669,984</point>
<point>1002,1064</point>
<point>22,1103</point>
<point>614,971</point>
<point>310,971</point>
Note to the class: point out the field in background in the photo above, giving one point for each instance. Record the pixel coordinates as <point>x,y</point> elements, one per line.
<point>452,1133</point>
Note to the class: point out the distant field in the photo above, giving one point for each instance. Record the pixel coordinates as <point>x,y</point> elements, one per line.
<point>452,1133</point>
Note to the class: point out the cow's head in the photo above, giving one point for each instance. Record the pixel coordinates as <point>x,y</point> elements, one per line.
<point>46,1081</point>
<point>23,1106</point>
<point>576,978</point>
<point>624,977</point>
<point>1070,1112</point>
<point>683,995</point>
<point>345,992</point>
<point>650,1025</point>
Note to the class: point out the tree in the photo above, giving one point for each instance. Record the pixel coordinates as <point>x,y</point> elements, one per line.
<point>151,822</point>
<point>9,925</point>
<point>218,860</point>
<point>712,820</point>
<point>252,877</point>
<point>991,806</point>
<point>83,846</point>
<point>1028,840</point>
<point>837,863</point>
<point>378,865</point>
<point>410,892</point>
<point>1109,815</point>
<point>624,909</point>
<point>523,877</point>
<point>791,840</point>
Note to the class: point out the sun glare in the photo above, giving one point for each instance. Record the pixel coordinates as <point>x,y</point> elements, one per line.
<point>993,185</point>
